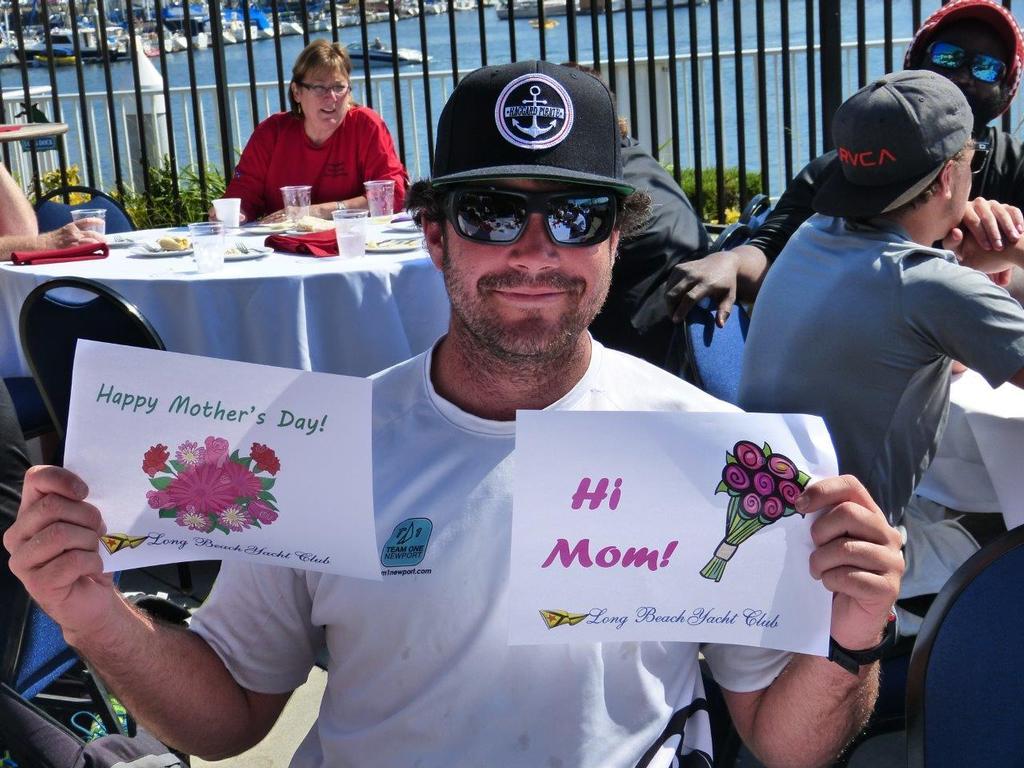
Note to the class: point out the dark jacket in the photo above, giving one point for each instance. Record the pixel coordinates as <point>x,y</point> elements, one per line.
<point>674,233</point>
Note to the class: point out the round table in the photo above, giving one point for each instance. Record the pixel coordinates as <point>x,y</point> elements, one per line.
<point>347,316</point>
<point>32,131</point>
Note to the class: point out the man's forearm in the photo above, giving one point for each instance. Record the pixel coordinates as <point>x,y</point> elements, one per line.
<point>175,685</point>
<point>11,243</point>
<point>16,214</point>
<point>809,713</point>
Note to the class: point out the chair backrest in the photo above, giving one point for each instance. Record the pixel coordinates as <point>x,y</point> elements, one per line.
<point>713,356</point>
<point>756,211</point>
<point>52,212</point>
<point>34,653</point>
<point>56,315</point>
<point>964,686</point>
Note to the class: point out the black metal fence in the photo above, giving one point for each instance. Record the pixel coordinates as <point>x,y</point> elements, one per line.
<point>750,84</point>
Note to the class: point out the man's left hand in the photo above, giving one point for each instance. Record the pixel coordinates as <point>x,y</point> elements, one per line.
<point>857,557</point>
<point>992,224</point>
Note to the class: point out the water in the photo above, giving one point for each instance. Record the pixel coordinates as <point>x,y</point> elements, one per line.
<point>352,244</point>
<point>467,50</point>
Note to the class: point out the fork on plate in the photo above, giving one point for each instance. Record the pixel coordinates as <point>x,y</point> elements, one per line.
<point>241,246</point>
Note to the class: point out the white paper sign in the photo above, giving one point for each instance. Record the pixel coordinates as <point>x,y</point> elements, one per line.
<point>666,526</point>
<point>191,458</point>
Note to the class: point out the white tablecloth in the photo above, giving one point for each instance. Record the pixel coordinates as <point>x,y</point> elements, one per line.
<point>977,465</point>
<point>349,316</point>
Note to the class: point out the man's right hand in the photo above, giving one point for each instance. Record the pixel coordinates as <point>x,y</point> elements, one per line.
<point>75,233</point>
<point>54,546</point>
<point>723,275</point>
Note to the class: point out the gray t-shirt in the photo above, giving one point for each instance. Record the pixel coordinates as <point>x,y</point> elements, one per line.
<point>859,325</point>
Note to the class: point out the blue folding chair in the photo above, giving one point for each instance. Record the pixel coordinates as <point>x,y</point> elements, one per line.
<point>964,686</point>
<point>35,657</point>
<point>712,357</point>
<point>52,214</point>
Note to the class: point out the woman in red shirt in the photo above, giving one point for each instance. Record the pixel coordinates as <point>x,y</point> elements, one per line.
<point>326,141</point>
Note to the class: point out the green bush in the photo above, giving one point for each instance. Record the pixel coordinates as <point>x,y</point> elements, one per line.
<point>161,208</point>
<point>709,184</point>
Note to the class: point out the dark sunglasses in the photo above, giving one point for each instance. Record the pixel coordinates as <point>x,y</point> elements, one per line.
<point>986,68</point>
<point>484,215</point>
<point>981,150</point>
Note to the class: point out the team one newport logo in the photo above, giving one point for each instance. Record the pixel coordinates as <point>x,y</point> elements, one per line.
<point>534,112</point>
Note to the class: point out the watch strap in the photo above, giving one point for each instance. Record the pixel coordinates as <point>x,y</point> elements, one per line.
<point>852,661</point>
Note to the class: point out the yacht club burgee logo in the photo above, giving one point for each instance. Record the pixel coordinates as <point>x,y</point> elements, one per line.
<point>534,112</point>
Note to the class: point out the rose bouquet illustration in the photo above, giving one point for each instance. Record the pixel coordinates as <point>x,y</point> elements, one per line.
<point>205,489</point>
<point>762,488</point>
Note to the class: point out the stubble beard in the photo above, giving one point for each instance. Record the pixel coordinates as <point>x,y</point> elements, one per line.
<point>526,343</point>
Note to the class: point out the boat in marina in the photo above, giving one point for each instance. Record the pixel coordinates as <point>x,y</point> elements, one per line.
<point>380,55</point>
<point>548,23</point>
<point>528,9</point>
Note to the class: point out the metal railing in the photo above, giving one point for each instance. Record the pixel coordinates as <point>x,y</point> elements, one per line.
<point>762,108</point>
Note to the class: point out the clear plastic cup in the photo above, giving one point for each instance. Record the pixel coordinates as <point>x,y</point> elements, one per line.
<point>350,228</point>
<point>229,211</point>
<point>296,202</point>
<point>380,197</point>
<point>207,245</point>
<point>90,219</point>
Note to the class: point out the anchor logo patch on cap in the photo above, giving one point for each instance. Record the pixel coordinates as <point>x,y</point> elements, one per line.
<point>534,112</point>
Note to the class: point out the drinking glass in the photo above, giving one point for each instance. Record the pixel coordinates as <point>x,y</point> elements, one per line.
<point>296,202</point>
<point>380,197</point>
<point>207,245</point>
<point>229,210</point>
<point>350,228</point>
<point>98,216</point>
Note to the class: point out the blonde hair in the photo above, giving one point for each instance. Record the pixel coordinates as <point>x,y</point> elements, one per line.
<point>319,54</point>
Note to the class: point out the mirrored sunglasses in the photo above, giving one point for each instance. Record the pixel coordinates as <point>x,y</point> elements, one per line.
<point>578,218</point>
<point>987,69</point>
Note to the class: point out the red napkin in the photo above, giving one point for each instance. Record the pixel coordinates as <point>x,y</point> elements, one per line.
<point>58,255</point>
<point>315,243</point>
<point>5,128</point>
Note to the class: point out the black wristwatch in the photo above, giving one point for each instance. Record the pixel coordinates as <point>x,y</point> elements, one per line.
<point>852,661</point>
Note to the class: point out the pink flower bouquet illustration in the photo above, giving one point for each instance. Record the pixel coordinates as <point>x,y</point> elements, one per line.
<point>205,489</point>
<point>762,488</point>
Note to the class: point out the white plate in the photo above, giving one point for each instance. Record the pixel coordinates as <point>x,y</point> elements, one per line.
<point>401,228</point>
<point>265,229</point>
<point>394,245</point>
<point>254,252</point>
<point>161,254</point>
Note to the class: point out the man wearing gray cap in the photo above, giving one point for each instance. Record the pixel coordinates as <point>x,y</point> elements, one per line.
<point>523,215</point>
<point>860,319</point>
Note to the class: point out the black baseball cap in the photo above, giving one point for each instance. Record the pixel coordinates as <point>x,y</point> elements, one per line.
<point>529,120</point>
<point>893,138</point>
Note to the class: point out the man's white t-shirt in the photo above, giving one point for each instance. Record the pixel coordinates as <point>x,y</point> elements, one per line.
<point>421,672</point>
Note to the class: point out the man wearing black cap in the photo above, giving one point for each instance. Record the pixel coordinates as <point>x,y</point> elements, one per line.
<point>523,215</point>
<point>860,318</point>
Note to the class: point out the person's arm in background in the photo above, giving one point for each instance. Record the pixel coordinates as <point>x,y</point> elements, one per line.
<point>16,214</point>
<point>67,236</point>
<point>728,276</point>
<point>1001,178</point>
<point>248,180</point>
<point>380,160</point>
